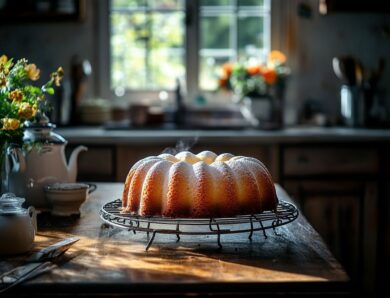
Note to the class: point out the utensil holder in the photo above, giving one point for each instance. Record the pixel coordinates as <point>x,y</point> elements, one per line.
<point>352,106</point>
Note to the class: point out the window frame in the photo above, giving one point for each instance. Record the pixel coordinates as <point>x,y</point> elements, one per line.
<point>192,19</point>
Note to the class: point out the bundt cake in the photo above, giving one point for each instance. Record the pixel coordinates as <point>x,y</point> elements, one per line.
<point>202,185</point>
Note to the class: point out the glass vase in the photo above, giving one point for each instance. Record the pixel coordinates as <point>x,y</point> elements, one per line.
<point>4,168</point>
<point>278,93</point>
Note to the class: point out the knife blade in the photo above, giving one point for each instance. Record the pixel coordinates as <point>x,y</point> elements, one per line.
<point>52,251</point>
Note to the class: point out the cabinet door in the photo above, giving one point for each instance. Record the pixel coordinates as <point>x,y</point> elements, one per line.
<point>384,239</point>
<point>96,164</point>
<point>344,214</point>
<point>387,231</point>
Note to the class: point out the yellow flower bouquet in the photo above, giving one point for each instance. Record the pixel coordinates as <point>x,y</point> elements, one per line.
<point>20,99</point>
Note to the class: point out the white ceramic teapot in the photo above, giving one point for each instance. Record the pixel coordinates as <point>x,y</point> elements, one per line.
<point>43,163</point>
<point>18,225</point>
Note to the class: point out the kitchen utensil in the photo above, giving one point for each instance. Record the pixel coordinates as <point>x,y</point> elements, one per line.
<point>66,198</point>
<point>337,69</point>
<point>17,225</point>
<point>375,111</point>
<point>139,114</point>
<point>53,251</point>
<point>80,71</point>
<point>376,74</point>
<point>23,273</point>
<point>38,263</point>
<point>345,69</point>
<point>94,111</point>
<point>284,214</point>
<point>359,74</point>
<point>348,65</point>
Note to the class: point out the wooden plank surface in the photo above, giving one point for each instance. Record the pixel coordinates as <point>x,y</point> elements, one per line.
<point>108,260</point>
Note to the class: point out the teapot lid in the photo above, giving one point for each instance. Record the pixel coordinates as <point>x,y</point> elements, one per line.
<point>42,131</point>
<point>10,204</point>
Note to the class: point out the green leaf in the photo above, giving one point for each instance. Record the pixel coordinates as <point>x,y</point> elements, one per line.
<point>50,90</point>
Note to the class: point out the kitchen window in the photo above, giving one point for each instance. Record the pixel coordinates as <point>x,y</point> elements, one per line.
<point>154,42</point>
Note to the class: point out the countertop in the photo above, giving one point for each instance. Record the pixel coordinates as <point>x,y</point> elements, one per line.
<point>108,260</point>
<point>99,135</point>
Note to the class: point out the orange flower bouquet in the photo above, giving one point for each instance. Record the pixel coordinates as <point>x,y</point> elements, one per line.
<point>248,79</point>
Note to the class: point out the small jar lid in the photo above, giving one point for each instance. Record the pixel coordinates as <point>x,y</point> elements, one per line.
<point>10,204</point>
<point>61,186</point>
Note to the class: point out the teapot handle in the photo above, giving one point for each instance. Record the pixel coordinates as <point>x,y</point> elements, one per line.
<point>32,213</point>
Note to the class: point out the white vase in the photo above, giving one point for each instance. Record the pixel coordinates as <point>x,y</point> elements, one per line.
<point>262,108</point>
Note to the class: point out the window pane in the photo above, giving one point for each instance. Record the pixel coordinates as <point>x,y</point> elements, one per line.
<point>167,30</point>
<point>128,3</point>
<point>215,32</point>
<point>128,70</point>
<point>147,49</point>
<point>165,66</point>
<point>209,67</point>
<point>237,31</point>
<point>215,2</point>
<point>167,4</point>
<point>251,2</point>
<point>167,50</point>
<point>250,32</point>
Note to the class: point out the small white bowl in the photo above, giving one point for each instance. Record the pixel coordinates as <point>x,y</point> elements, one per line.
<point>66,198</point>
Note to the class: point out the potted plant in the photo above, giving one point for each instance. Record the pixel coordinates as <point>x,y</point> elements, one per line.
<point>257,83</point>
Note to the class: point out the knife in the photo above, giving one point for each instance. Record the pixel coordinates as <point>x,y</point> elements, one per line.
<point>53,251</point>
<point>37,263</point>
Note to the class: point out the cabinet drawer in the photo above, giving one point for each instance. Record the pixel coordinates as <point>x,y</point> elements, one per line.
<point>386,160</point>
<point>316,160</point>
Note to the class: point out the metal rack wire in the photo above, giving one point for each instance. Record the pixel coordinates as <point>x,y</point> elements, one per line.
<point>284,214</point>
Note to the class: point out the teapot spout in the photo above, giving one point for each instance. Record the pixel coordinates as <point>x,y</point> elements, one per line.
<point>72,166</point>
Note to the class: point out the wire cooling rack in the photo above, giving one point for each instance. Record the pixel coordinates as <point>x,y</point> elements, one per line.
<point>284,214</point>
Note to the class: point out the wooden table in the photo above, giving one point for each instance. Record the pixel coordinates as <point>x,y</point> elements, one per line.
<point>108,260</point>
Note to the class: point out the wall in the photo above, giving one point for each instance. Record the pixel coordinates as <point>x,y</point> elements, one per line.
<point>53,44</point>
<point>314,40</point>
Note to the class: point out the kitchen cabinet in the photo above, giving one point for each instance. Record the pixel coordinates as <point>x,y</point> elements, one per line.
<point>384,222</point>
<point>42,11</point>
<point>337,190</point>
<point>385,265</point>
<point>341,212</point>
<point>320,160</point>
<point>96,164</point>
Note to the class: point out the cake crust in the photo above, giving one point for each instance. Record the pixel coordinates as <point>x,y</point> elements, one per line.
<point>198,186</point>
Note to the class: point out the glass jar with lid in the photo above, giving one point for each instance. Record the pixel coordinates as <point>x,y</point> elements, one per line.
<point>18,225</point>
